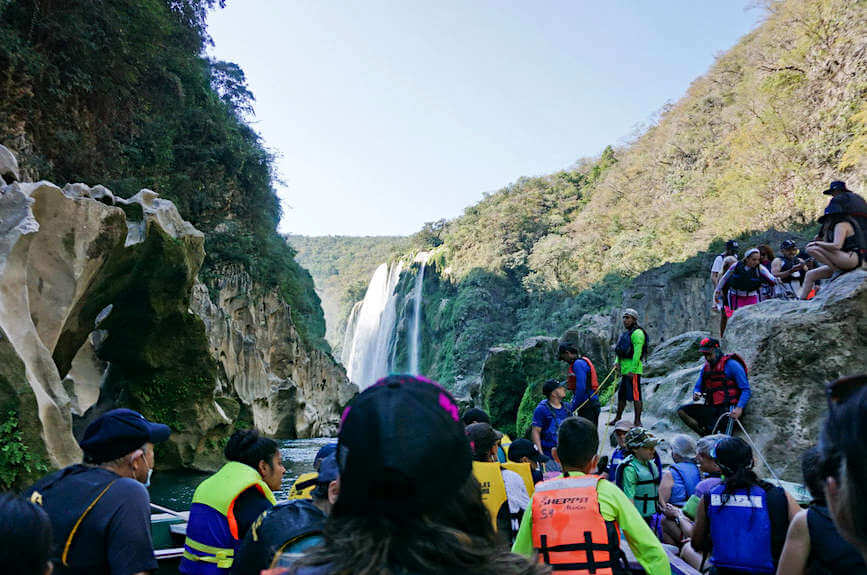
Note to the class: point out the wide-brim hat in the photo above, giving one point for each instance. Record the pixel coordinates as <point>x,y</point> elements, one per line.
<point>835,187</point>
<point>640,437</point>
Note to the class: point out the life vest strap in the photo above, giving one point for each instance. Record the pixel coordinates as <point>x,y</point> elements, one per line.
<point>75,527</point>
<point>588,547</point>
<point>222,556</point>
<point>220,561</point>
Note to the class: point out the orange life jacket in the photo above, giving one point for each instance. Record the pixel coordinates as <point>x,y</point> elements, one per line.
<point>569,531</point>
<point>572,379</point>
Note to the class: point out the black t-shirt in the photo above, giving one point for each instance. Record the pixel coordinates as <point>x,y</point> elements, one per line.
<point>115,536</point>
<point>248,507</point>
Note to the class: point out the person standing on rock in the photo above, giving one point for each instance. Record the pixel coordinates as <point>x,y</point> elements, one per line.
<point>842,242</point>
<point>100,510</point>
<point>582,381</point>
<point>724,385</point>
<point>547,417</point>
<point>741,286</point>
<point>630,350</point>
<point>716,270</point>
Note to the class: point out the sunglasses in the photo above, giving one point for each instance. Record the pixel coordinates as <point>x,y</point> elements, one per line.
<point>840,390</point>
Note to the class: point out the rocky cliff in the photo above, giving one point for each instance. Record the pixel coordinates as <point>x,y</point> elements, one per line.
<point>100,306</point>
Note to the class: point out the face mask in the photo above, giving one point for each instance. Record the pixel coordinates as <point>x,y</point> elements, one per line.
<point>148,482</point>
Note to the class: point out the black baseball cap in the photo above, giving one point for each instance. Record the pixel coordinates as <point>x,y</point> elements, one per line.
<point>402,449</point>
<point>483,437</point>
<point>836,186</point>
<point>118,432</point>
<point>475,415</point>
<point>521,448</point>
<point>732,245</point>
<point>550,386</point>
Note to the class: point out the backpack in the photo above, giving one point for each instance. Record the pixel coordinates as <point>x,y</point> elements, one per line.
<point>624,348</point>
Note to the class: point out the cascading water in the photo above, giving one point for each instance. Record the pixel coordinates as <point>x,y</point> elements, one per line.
<point>371,327</point>
<point>415,327</point>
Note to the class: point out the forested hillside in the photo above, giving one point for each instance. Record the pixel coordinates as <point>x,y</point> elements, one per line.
<point>341,266</point>
<point>119,93</point>
<point>749,147</point>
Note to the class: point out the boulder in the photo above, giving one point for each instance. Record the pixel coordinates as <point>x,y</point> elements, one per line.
<point>678,351</point>
<point>791,348</point>
<point>509,370</point>
<point>8,167</point>
<point>594,337</point>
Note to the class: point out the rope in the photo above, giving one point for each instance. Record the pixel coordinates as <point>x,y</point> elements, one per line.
<point>598,389</point>
<point>752,444</point>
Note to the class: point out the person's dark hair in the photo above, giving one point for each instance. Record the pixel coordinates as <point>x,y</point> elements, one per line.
<point>844,456</point>
<point>475,415</point>
<point>577,442</point>
<point>320,491</point>
<point>566,347</point>
<point>767,252</point>
<point>248,447</point>
<point>811,469</point>
<point>735,458</point>
<point>26,535</point>
<point>456,537</point>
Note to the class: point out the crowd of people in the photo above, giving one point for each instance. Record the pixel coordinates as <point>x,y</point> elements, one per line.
<point>839,247</point>
<point>414,486</point>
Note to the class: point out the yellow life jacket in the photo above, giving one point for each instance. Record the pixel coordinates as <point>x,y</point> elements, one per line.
<point>505,442</point>
<point>495,498</point>
<point>522,469</point>
<point>304,486</point>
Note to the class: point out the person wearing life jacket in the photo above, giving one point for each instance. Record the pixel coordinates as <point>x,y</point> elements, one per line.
<point>100,509</point>
<point>226,504</point>
<point>842,242</point>
<point>741,285</point>
<point>789,269</point>
<point>621,452</point>
<point>680,480</point>
<point>630,351</point>
<point>289,528</point>
<point>522,451</point>
<point>724,385</point>
<point>742,522</point>
<point>575,520</point>
<point>307,482</point>
<point>547,417</point>
<point>844,458</point>
<point>582,381</point>
<point>640,475</point>
<point>813,544</point>
<point>504,491</point>
<point>716,270</point>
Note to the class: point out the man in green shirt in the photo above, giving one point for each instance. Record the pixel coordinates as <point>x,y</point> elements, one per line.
<point>577,444</point>
<point>630,350</point>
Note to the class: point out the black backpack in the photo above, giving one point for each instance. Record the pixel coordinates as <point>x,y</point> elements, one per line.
<point>624,348</point>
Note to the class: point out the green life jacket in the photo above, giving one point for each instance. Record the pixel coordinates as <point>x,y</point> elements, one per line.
<point>646,485</point>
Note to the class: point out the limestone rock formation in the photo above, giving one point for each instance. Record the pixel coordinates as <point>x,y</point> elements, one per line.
<point>791,348</point>
<point>509,371</point>
<point>290,389</point>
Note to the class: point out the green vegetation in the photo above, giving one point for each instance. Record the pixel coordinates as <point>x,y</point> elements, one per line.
<point>16,460</point>
<point>120,93</point>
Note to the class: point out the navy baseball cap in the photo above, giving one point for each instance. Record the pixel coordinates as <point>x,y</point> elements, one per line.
<point>521,448</point>
<point>402,449</point>
<point>328,470</point>
<point>549,386</point>
<point>836,186</point>
<point>323,452</point>
<point>118,432</point>
<point>708,344</point>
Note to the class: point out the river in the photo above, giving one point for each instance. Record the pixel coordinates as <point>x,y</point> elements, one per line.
<point>174,489</point>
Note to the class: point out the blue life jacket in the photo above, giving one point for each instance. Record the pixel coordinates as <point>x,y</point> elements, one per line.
<point>686,476</point>
<point>616,459</point>
<point>740,528</point>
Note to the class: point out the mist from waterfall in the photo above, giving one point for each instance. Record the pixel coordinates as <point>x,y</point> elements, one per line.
<point>415,327</point>
<point>371,328</point>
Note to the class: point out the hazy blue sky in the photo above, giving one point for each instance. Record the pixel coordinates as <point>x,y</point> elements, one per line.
<point>388,114</point>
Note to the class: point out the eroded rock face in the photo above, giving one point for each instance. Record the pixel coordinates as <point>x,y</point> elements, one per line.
<point>291,390</point>
<point>791,348</point>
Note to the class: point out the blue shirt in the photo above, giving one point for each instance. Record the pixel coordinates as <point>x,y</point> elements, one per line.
<point>583,389</point>
<point>733,370</point>
<point>549,419</point>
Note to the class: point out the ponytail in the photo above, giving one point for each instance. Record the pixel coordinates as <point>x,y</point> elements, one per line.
<point>248,447</point>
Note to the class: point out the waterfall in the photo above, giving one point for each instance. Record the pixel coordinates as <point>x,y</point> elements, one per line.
<point>373,321</point>
<point>415,327</point>
<point>349,334</point>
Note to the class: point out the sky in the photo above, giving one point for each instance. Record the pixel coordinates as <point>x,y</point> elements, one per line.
<point>385,114</point>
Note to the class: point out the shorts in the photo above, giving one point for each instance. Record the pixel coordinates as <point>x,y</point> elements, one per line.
<point>630,387</point>
<point>590,412</point>
<point>706,416</point>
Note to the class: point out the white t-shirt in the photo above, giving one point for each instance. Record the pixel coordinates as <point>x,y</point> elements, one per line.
<point>516,492</point>
<point>717,264</point>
